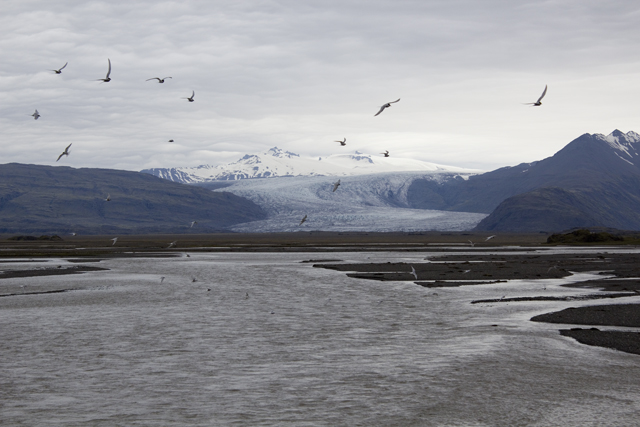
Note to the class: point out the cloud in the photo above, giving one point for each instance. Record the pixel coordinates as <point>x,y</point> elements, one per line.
<point>301,74</point>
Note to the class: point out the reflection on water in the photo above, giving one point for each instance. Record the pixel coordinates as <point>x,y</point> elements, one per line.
<point>307,346</point>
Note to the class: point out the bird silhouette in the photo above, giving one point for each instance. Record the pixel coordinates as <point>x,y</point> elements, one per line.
<point>336,185</point>
<point>115,239</point>
<point>193,223</point>
<point>59,70</point>
<point>386,153</point>
<point>160,80</point>
<point>36,115</point>
<point>387,105</point>
<point>538,102</point>
<point>343,142</point>
<point>193,93</point>
<point>413,272</point>
<point>489,238</point>
<point>64,153</point>
<point>303,220</point>
<point>108,199</point>
<point>107,79</point>
<point>471,243</point>
<point>172,244</point>
<point>171,140</point>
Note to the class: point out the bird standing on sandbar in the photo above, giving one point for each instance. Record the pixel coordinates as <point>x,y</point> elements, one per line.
<point>538,102</point>
<point>65,152</point>
<point>59,70</point>
<point>107,79</point>
<point>36,115</point>
<point>343,142</point>
<point>160,80</point>
<point>387,105</point>
<point>193,93</point>
<point>335,186</point>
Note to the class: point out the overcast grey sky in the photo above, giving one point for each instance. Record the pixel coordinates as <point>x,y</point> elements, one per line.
<point>301,74</point>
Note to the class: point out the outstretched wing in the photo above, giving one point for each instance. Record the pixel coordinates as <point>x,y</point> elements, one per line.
<point>153,78</point>
<point>109,71</point>
<point>393,102</point>
<point>62,68</point>
<point>543,94</point>
<point>381,110</point>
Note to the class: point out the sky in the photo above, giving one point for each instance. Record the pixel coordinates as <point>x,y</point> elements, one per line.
<point>300,75</point>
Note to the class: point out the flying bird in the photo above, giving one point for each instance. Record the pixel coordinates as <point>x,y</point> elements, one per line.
<point>115,239</point>
<point>171,140</point>
<point>160,80</point>
<point>59,70</point>
<point>489,238</point>
<point>193,223</point>
<point>108,199</point>
<point>36,115</point>
<point>387,105</point>
<point>471,243</point>
<point>303,220</point>
<point>336,185</point>
<point>538,103</point>
<point>162,279</point>
<point>65,152</point>
<point>172,244</point>
<point>386,153</point>
<point>413,272</point>
<point>193,93</point>
<point>343,142</point>
<point>107,79</point>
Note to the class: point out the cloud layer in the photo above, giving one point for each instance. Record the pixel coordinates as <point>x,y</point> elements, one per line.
<point>299,75</point>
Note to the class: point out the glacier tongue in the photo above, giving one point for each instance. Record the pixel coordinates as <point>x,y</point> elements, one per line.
<point>376,202</point>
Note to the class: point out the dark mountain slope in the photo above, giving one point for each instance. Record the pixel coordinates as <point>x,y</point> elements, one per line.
<point>593,181</point>
<point>45,199</point>
<point>585,162</point>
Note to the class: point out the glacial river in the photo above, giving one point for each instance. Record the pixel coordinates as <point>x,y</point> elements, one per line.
<point>264,339</point>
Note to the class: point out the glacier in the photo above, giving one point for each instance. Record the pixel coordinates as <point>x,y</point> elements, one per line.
<point>368,203</point>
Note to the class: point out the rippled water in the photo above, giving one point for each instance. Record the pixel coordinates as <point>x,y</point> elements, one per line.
<point>307,347</point>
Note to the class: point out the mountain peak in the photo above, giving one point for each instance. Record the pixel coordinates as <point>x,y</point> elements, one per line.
<point>280,153</point>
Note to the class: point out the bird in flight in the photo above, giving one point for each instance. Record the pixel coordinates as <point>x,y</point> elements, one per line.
<point>386,153</point>
<point>193,93</point>
<point>59,70</point>
<point>64,153</point>
<point>115,239</point>
<point>107,79</point>
<point>162,279</point>
<point>160,80</point>
<point>489,238</point>
<point>335,186</point>
<point>193,223</point>
<point>108,199</point>
<point>303,220</point>
<point>538,103</point>
<point>387,105</point>
<point>172,244</point>
<point>471,243</point>
<point>343,142</point>
<point>171,140</point>
<point>413,272</point>
<point>36,115</point>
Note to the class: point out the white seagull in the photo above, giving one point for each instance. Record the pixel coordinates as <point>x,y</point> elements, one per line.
<point>343,142</point>
<point>108,199</point>
<point>387,105</point>
<point>193,223</point>
<point>172,244</point>
<point>36,115</point>
<point>413,272</point>
<point>107,79</point>
<point>538,103</point>
<point>489,238</point>
<point>115,239</point>
<point>471,243</point>
<point>193,93</point>
<point>65,152</point>
<point>336,185</point>
<point>160,80</point>
<point>59,70</point>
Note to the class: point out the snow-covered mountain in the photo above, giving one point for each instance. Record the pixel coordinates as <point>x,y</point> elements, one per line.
<point>374,202</point>
<point>279,163</point>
